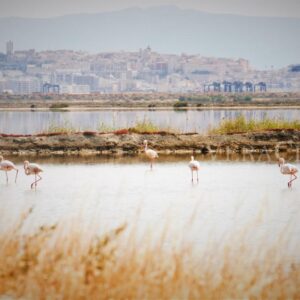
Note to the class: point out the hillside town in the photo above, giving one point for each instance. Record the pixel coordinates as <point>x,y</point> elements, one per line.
<point>71,72</point>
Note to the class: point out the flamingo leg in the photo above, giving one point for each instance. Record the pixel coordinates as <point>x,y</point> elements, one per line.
<point>6,176</point>
<point>192,175</point>
<point>197,176</point>
<point>151,165</point>
<point>39,179</point>
<point>36,180</point>
<point>292,179</point>
<point>17,171</point>
<point>31,186</point>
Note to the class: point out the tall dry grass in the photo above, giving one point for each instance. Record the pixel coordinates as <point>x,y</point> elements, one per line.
<point>240,124</point>
<point>71,262</point>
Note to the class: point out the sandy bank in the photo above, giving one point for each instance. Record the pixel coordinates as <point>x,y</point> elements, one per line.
<point>123,141</point>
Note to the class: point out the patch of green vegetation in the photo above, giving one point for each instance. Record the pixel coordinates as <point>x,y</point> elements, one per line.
<point>241,98</point>
<point>180,104</point>
<point>218,98</point>
<point>240,124</point>
<point>202,98</point>
<point>59,105</point>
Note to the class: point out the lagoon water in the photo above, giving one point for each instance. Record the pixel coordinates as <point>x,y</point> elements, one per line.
<point>30,122</point>
<point>233,195</point>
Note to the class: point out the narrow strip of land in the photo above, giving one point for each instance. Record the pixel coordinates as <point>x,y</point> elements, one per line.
<point>124,142</point>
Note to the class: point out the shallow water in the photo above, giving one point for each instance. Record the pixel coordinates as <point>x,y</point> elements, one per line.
<point>30,122</point>
<point>230,196</point>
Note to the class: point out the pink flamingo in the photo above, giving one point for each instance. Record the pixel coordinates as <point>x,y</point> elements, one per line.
<point>6,165</point>
<point>33,169</point>
<point>194,166</point>
<point>287,169</point>
<point>151,154</point>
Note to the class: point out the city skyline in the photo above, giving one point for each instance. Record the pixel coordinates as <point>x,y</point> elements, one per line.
<point>264,41</point>
<point>71,72</point>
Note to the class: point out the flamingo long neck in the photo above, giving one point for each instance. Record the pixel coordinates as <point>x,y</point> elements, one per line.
<point>26,169</point>
<point>146,146</point>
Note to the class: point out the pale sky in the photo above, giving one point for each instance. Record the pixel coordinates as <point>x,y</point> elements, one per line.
<point>50,8</point>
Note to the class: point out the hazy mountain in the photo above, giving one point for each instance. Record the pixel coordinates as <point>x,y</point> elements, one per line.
<point>265,41</point>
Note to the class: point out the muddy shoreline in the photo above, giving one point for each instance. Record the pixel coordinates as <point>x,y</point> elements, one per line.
<point>161,108</point>
<point>126,142</point>
<point>152,101</point>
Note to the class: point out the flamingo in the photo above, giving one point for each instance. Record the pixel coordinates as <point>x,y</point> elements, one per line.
<point>6,165</point>
<point>287,169</point>
<point>194,166</point>
<point>33,169</point>
<point>151,154</point>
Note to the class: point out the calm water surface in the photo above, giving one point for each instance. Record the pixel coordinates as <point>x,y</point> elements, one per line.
<point>231,195</point>
<point>30,122</point>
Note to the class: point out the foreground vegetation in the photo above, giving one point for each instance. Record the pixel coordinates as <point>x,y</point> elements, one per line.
<point>71,261</point>
<point>240,125</point>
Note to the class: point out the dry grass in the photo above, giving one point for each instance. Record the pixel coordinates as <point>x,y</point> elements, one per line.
<point>144,126</point>
<point>240,124</point>
<point>106,128</point>
<point>66,127</point>
<point>70,262</point>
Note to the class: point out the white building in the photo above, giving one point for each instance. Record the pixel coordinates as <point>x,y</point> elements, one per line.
<point>24,85</point>
<point>75,89</point>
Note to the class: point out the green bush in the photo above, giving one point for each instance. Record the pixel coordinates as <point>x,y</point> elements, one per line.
<point>248,98</point>
<point>180,104</point>
<point>218,98</point>
<point>59,105</point>
<point>240,98</point>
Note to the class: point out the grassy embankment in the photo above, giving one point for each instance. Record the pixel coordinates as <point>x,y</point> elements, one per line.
<point>69,261</point>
